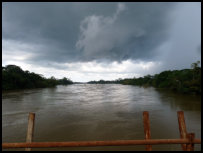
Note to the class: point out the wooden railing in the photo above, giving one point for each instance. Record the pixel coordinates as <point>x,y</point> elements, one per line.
<point>187,140</point>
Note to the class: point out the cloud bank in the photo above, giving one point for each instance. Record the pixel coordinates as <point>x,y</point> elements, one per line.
<point>57,35</point>
<point>129,31</point>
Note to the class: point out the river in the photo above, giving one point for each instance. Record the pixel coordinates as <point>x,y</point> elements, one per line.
<point>82,112</point>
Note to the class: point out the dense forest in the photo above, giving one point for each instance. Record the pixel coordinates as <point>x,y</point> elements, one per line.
<point>183,81</point>
<point>13,77</point>
<point>104,82</point>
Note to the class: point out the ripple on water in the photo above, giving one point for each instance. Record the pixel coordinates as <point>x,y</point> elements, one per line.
<point>98,112</point>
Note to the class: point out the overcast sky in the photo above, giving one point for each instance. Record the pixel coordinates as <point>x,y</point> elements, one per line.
<point>93,41</point>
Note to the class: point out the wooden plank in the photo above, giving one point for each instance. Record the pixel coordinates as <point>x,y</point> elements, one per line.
<point>30,129</point>
<point>147,129</point>
<point>190,146</point>
<point>182,128</point>
<point>98,143</point>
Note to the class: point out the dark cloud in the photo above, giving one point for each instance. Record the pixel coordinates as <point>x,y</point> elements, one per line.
<point>71,32</point>
<point>184,38</point>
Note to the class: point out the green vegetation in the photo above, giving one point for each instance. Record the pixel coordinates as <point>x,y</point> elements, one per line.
<point>183,81</point>
<point>13,77</point>
<point>103,82</point>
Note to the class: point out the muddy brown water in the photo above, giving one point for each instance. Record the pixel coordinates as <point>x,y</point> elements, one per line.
<point>85,112</point>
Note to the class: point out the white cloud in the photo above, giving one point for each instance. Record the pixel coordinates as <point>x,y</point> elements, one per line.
<point>87,71</point>
<point>14,51</point>
<point>98,34</point>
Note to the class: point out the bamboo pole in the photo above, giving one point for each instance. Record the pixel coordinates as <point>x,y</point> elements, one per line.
<point>30,129</point>
<point>98,143</point>
<point>147,129</point>
<point>182,128</point>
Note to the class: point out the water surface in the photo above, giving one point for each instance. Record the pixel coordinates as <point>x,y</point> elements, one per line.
<point>84,112</point>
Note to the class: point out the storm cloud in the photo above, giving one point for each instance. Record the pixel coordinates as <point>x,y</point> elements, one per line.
<point>57,34</point>
<point>66,32</point>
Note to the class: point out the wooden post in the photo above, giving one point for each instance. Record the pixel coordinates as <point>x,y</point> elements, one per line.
<point>30,129</point>
<point>182,128</point>
<point>190,146</point>
<point>147,129</point>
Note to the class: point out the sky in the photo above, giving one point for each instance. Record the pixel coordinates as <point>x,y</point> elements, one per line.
<point>87,41</point>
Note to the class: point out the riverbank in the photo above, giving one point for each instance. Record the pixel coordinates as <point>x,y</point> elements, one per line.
<point>187,81</point>
<point>14,78</point>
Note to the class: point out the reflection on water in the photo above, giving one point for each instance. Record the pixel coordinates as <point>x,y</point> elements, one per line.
<point>98,112</point>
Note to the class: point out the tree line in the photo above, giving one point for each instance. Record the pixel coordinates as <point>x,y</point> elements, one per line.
<point>103,82</point>
<point>13,77</point>
<point>183,81</point>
